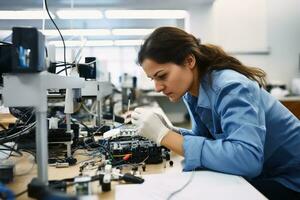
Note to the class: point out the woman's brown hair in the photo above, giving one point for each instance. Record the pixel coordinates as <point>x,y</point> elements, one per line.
<point>171,44</point>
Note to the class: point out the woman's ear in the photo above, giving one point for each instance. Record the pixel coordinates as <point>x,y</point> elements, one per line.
<point>190,61</point>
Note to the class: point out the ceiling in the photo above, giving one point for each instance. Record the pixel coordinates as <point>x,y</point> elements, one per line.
<point>136,4</point>
<point>102,5</point>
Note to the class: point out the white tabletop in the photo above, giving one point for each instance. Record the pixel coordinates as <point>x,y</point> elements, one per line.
<point>201,185</point>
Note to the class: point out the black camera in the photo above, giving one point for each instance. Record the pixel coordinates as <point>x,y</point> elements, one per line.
<point>26,54</point>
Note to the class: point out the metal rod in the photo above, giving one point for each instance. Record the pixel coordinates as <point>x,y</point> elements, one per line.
<point>42,145</point>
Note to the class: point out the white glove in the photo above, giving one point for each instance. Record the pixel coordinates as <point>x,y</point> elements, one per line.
<point>168,125</point>
<point>149,124</point>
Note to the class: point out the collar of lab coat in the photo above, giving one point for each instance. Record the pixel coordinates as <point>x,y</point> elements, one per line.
<point>202,99</point>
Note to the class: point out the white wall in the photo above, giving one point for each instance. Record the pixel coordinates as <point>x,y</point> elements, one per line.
<point>284,39</point>
<point>278,30</point>
<point>282,36</point>
<point>111,59</point>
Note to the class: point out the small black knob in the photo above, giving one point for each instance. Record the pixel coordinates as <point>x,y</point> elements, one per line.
<point>144,167</point>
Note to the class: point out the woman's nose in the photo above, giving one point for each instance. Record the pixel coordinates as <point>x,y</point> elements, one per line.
<point>158,86</point>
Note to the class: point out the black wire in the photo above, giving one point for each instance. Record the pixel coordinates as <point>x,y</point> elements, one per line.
<point>62,38</point>
<point>17,134</point>
<point>26,123</point>
<point>30,152</point>
<point>29,109</point>
<point>46,51</point>
<point>62,63</point>
<point>71,181</point>
<point>85,126</point>
<point>107,151</point>
<point>7,131</point>
<point>65,69</point>
<point>12,149</point>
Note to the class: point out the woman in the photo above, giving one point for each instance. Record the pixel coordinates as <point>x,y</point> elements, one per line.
<point>237,127</point>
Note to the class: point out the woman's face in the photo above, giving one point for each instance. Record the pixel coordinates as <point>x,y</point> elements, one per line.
<point>171,79</point>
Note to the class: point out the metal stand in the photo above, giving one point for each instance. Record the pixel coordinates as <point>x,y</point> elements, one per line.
<point>31,90</point>
<point>99,90</point>
<point>42,145</point>
<point>68,123</point>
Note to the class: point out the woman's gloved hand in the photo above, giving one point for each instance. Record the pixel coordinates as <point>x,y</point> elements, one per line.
<point>168,124</point>
<point>149,124</point>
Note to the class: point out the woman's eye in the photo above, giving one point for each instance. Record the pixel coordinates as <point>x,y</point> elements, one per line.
<point>161,76</point>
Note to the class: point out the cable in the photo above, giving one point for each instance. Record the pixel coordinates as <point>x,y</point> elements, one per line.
<point>14,128</point>
<point>87,110</point>
<point>80,122</point>
<point>20,133</point>
<point>107,151</point>
<point>62,38</point>
<point>65,69</point>
<point>182,188</point>
<point>78,54</point>
<point>16,112</point>
<point>16,141</point>
<point>12,149</point>
<point>90,62</point>
<point>30,152</point>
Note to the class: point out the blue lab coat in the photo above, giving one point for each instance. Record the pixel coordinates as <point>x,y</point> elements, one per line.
<point>239,128</point>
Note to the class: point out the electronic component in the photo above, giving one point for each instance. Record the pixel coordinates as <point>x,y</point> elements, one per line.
<point>29,56</point>
<point>87,71</point>
<point>37,189</point>
<point>61,165</point>
<point>128,130</point>
<point>6,51</point>
<point>59,135</point>
<point>60,186</point>
<point>25,54</point>
<point>171,163</point>
<point>106,182</point>
<point>83,185</point>
<point>139,149</point>
<point>129,178</point>
<point>6,172</point>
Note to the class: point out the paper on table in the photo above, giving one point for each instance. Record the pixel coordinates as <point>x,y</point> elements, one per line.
<point>204,185</point>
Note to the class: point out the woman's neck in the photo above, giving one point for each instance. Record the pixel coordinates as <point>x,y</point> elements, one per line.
<point>194,89</point>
